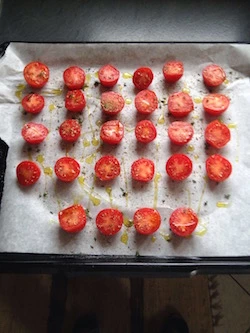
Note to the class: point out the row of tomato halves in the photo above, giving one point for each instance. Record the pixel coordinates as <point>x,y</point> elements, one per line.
<point>178,167</point>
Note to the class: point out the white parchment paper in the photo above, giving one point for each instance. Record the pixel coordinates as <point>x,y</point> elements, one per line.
<point>28,220</point>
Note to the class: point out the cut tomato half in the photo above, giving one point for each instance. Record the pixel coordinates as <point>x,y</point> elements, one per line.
<point>145,131</point>
<point>109,221</point>
<point>215,104</point>
<point>70,130</point>
<point>217,134</point>
<point>108,75</point>
<point>180,132</point>
<point>146,101</point>
<point>180,104</point>
<point>67,169</point>
<point>33,103</point>
<point>112,132</point>
<point>143,170</point>
<point>143,77</point>
<point>173,71</point>
<point>213,75</point>
<point>27,173</point>
<point>73,218</point>
<point>147,221</point>
<point>179,167</point>
<point>183,221</point>
<point>36,74</point>
<point>74,77</point>
<point>75,101</point>
<point>107,167</point>
<point>218,168</point>
<point>34,133</point>
<point>112,103</point>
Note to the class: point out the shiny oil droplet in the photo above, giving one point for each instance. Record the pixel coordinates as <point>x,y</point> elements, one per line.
<point>81,180</point>
<point>98,123</point>
<point>196,117</point>
<point>202,231</point>
<point>57,92</point>
<point>128,129</point>
<point>196,157</point>
<point>90,159</point>
<point>124,238</point>
<point>19,91</point>
<point>95,201</point>
<point>232,125</point>
<point>222,204</point>
<point>197,100</point>
<point>40,159</point>
<point>86,143</point>
<point>153,239</point>
<point>127,75</point>
<point>88,78</point>
<point>96,75</point>
<point>128,101</point>
<point>48,171</point>
<point>161,120</point>
<point>127,222</point>
<point>109,191</point>
<point>157,177</point>
<point>167,237</point>
<point>226,81</point>
<point>95,142</point>
<point>186,90</point>
<point>190,148</point>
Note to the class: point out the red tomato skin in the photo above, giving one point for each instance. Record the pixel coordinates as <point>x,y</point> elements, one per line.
<point>179,159</point>
<point>27,173</point>
<point>143,170</point>
<point>67,169</point>
<point>145,131</point>
<point>74,214</point>
<point>107,168</point>
<point>112,103</point>
<point>70,130</point>
<point>174,107</point>
<point>189,218</point>
<point>108,75</point>
<point>147,221</point>
<point>74,77</point>
<point>213,75</point>
<point>75,101</point>
<point>146,101</point>
<point>112,132</point>
<point>212,109</point>
<point>34,133</point>
<point>223,166</point>
<point>40,78</point>
<point>33,103</point>
<point>173,71</point>
<point>143,77</point>
<point>109,221</point>
<point>217,134</point>
<point>180,132</point>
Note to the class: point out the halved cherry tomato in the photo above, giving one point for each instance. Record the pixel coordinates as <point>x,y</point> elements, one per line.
<point>33,103</point>
<point>108,75</point>
<point>34,133</point>
<point>112,103</point>
<point>143,170</point>
<point>146,101</point>
<point>109,221</point>
<point>107,168</point>
<point>183,221</point>
<point>215,104</point>
<point>213,75</point>
<point>36,74</point>
<point>143,77</point>
<point>75,101</point>
<point>70,130</point>
<point>217,134</point>
<point>74,77</point>
<point>179,166</point>
<point>147,221</point>
<point>27,173</point>
<point>145,131</point>
<point>180,132</point>
<point>173,71</point>
<point>180,104</point>
<point>67,169</point>
<point>73,218</point>
<point>112,132</point>
<point>218,168</point>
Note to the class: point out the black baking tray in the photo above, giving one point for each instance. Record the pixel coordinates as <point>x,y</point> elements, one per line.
<point>119,21</point>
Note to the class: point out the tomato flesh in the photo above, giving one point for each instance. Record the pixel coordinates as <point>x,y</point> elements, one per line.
<point>108,75</point>
<point>67,169</point>
<point>217,134</point>
<point>218,168</point>
<point>183,221</point>
<point>36,74</point>
<point>145,131</point>
<point>173,71</point>
<point>34,133</point>
<point>70,130</point>
<point>72,219</point>
<point>74,77</point>
<point>143,77</point>
<point>112,132</point>
<point>180,104</point>
<point>147,221</point>
<point>180,132</point>
<point>109,221</point>
<point>33,103</point>
<point>215,104</point>
<point>112,103</point>
<point>146,101</point>
<point>27,173</point>
<point>75,101</point>
<point>143,170</point>
<point>107,168</point>
<point>213,75</point>
<point>179,167</point>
